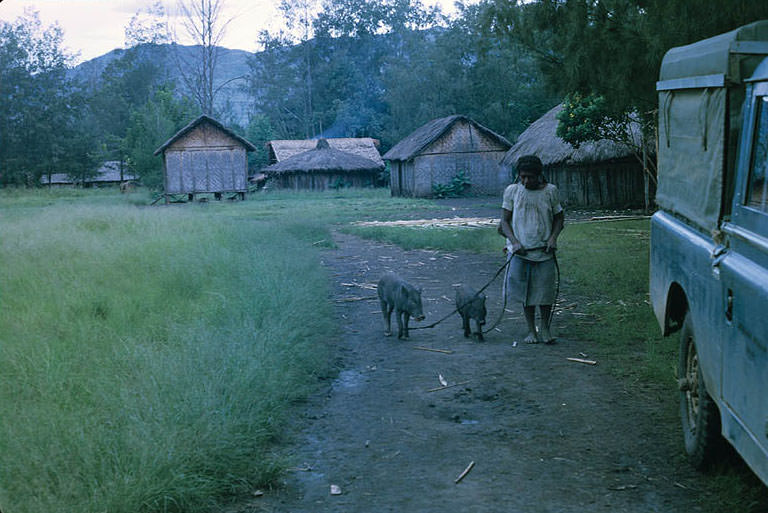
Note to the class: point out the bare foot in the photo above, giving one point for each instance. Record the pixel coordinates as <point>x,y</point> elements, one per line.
<point>545,336</point>
<point>531,339</point>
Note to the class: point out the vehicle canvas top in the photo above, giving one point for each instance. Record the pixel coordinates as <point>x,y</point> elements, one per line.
<point>721,56</point>
<point>696,149</point>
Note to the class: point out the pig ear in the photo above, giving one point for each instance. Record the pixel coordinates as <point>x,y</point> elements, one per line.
<point>403,290</point>
<point>420,289</point>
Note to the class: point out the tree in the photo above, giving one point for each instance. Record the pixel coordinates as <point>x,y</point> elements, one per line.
<point>603,56</point>
<point>150,126</point>
<point>259,132</point>
<point>203,23</point>
<point>39,110</point>
<point>612,48</point>
<point>148,26</point>
<point>458,70</point>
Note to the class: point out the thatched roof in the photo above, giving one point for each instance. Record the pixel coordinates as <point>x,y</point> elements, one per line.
<point>426,134</point>
<point>541,139</point>
<point>108,172</point>
<point>324,159</point>
<point>205,119</point>
<point>282,149</point>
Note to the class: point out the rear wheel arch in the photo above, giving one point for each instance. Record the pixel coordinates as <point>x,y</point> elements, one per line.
<point>676,310</point>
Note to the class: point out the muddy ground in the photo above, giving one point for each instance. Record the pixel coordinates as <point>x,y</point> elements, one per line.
<point>545,434</point>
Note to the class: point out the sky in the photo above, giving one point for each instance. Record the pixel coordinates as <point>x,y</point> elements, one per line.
<point>95,27</point>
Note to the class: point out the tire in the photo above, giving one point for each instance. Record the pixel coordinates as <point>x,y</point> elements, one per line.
<point>699,413</point>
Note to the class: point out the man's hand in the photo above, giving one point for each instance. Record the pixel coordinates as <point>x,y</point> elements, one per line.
<point>551,245</point>
<point>518,249</point>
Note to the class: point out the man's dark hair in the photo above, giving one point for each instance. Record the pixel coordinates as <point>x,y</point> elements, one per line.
<point>529,163</point>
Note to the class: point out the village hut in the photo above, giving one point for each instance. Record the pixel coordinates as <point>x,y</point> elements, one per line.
<point>281,149</point>
<point>112,172</point>
<point>440,150</point>
<point>324,167</point>
<point>205,157</point>
<point>604,173</point>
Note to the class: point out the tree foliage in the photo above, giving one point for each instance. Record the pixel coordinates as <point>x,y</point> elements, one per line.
<point>148,25</point>
<point>612,48</point>
<point>150,126</point>
<point>39,111</point>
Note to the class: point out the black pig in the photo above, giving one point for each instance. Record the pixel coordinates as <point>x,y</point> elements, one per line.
<point>397,294</point>
<point>471,305</point>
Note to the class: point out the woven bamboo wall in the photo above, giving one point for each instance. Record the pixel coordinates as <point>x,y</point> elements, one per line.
<point>606,185</point>
<point>462,148</point>
<point>206,160</point>
<point>323,181</point>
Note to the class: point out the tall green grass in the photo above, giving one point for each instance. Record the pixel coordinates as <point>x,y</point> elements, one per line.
<point>147,356</point>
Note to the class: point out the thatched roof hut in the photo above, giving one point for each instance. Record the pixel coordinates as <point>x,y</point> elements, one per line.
<point>202,120</point>
<point>324,167</point>
<point>281,149</point>
<point>112,172</point>
<point>601,173</point>
<point>541,139</point>
<point>440,149</point>
<point>205,157</point>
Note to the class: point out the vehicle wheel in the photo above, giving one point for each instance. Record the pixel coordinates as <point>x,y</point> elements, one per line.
<point>700,416</point>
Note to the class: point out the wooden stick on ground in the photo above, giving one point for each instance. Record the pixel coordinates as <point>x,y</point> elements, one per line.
<point>444,351</point>
<point>448,386</point>
<point>466,471</point>
<point>582,360</point>
<point>350,299</point>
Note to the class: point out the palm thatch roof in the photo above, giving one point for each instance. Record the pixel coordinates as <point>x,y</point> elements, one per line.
<point>428,133</point>
<point>281,149</point>
<point>541,139</point>
<point>205,119</point>
<point>324,159</point>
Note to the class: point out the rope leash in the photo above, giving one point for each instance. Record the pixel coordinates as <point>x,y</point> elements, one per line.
<point>477,294</point>
<point>504,293</point>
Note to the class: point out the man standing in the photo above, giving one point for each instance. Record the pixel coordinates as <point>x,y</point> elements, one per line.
<point>531,220</point>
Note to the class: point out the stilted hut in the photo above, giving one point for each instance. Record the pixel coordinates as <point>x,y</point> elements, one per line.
<point>441,149</point>
<point>205,157</point>
<point>323,168</point>
<point>602,174</point>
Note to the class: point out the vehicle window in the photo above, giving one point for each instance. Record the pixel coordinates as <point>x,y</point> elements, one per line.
<point>757,191</point>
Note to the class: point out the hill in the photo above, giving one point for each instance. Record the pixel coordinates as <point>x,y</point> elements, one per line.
<point>232,67</point>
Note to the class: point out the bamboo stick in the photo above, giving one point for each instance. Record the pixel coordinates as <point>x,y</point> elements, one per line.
<point>466,471</point>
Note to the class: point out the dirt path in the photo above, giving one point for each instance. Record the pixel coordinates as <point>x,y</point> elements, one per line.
<point>546,434</point>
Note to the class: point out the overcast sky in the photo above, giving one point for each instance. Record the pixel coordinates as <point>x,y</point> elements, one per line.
<point>94,27</point>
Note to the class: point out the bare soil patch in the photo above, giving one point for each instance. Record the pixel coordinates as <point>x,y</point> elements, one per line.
<point>545,434</point>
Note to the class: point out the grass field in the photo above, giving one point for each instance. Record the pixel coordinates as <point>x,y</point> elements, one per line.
<point>148,355</point>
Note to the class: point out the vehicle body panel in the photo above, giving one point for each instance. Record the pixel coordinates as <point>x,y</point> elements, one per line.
<point>709,241</point>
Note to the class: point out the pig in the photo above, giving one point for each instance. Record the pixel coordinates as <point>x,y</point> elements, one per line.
<point>471,305</point>
<point>399,295</point>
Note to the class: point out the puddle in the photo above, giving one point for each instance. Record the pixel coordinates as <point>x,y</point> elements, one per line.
<point>348,379</point>
<point>469,422</point>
